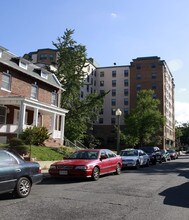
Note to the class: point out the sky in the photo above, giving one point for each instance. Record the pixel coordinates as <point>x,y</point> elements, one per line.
<point>113,31</point>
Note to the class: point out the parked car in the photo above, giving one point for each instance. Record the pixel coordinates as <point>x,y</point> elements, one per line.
<point>165,155</point>
<point>17,175</point>
<point>154,154</point>
<point>87,163</point>
<point>173,154</point>
<point>134,158</point>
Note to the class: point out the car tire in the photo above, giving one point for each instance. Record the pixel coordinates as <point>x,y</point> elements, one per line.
<point>118,169</point>
<point>147,163</point>
<point>154,162</point>
<point>96,174</point>
<point>137,165</point>
<point>23,187</point>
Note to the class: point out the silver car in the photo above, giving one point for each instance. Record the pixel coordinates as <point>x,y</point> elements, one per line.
<point>134,158</point>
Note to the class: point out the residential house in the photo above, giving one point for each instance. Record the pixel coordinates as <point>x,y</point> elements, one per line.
<point>29,96</point>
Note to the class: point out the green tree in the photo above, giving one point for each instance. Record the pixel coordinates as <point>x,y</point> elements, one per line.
<point>71,62</point>
<point>145,123</point>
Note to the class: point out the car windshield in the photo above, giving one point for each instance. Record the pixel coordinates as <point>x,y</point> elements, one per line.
<point>84,155</point>
<point>148,150</point>
<point>171,151</point>
<point>129,153</point>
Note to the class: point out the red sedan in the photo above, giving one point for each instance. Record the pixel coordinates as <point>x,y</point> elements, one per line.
<point>87,163</point>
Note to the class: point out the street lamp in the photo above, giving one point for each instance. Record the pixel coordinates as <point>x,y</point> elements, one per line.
<point>118,114</point>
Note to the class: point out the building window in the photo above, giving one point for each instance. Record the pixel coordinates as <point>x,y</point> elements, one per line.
<point>138,66</point>
<point>34,91</point>
<point>2,115</point>
<point>154,86</point>
<point>43,57</point>
<point>23,65</point>
<point>91,90</point>
<point>126,92</point>
<point>87,88</point>
<point>94,82</point>
<point>51,57</point>
<point>153,75</point>
<point>101,83</point>
<point>113,83</point>
<point>113,92</point>
<point>126,82</point>
<point>126,102</point>
<point>88,79</point>
<point>101,111</point>
<point>113,102</point>
<point>138,76</point>
<point>154,96</point>
<point>6,81</point>
<point>113,121</point>
<point>101,121</point>
<point>153,65</point>
<point>126,111</point>
<point>54,99</point>
<point>114,73</point>
<point>44,74</point>
<point>126,73</point>
<point>113,111</point>
<point>138,87</point>
<point>81,94</point>
<point>102,74</point>
<point>102,92</point>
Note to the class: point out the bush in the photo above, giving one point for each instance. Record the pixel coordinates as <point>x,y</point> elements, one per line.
<point>18,146</point>
<point>35,135</point>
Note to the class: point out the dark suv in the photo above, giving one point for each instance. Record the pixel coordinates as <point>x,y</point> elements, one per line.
<point>154,154</point>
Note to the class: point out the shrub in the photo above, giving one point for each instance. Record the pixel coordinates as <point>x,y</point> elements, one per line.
<point>17,146</point>
<point>35,135</point>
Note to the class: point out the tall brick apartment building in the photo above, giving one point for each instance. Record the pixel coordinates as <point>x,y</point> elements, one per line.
<point>124,82</point>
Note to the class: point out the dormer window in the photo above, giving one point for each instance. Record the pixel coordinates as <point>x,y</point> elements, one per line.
<point>44,74</point>
<point>23,64</point>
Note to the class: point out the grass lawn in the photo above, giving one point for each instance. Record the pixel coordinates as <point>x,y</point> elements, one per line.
<point>41,153</point>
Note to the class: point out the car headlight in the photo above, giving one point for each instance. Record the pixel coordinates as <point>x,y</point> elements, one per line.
<point>52,167</point>
<point>81,167</point>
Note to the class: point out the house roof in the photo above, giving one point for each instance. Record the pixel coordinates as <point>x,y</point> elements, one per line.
<point>11,60</point>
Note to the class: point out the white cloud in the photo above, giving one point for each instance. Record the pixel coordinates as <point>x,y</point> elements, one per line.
<point>113,15</point>
<point>182,90</point>
<point>182,112</point>
<point>175,65</point>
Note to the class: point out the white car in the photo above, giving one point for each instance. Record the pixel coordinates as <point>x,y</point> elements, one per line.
<point>134,158</point>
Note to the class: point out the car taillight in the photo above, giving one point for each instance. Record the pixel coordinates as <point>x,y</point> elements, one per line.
<point>39,170</point>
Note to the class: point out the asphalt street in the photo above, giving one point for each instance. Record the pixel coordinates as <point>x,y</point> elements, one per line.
<point>150,193</point>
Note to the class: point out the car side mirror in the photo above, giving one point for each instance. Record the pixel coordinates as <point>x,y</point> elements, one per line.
<point>103,157</point>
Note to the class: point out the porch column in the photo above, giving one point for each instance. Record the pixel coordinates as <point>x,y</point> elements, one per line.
<point>22,115</point>
<point>62,128</point>
<point>35,117</point>
<point>53,124</point>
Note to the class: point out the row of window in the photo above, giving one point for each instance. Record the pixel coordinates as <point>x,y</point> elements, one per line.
<point>139,76</point>
<point>113,111</point>
<point>139,66</point>
<point>113,120</point>
<point>114,73</point>
<point>6,85</point>
<point>114,82</point>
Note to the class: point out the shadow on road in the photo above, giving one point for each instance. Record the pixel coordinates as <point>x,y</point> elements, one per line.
<point>177,196</point>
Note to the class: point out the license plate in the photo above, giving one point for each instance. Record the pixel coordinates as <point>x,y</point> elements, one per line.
<point>63,172</point>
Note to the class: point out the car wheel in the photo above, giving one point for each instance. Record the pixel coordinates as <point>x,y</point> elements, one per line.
<point>95,174</point>
<point>154,162</point>
<point>137,165</point>
<point>23,187</point>
<point>118,169</point>
<point>148,163</point>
